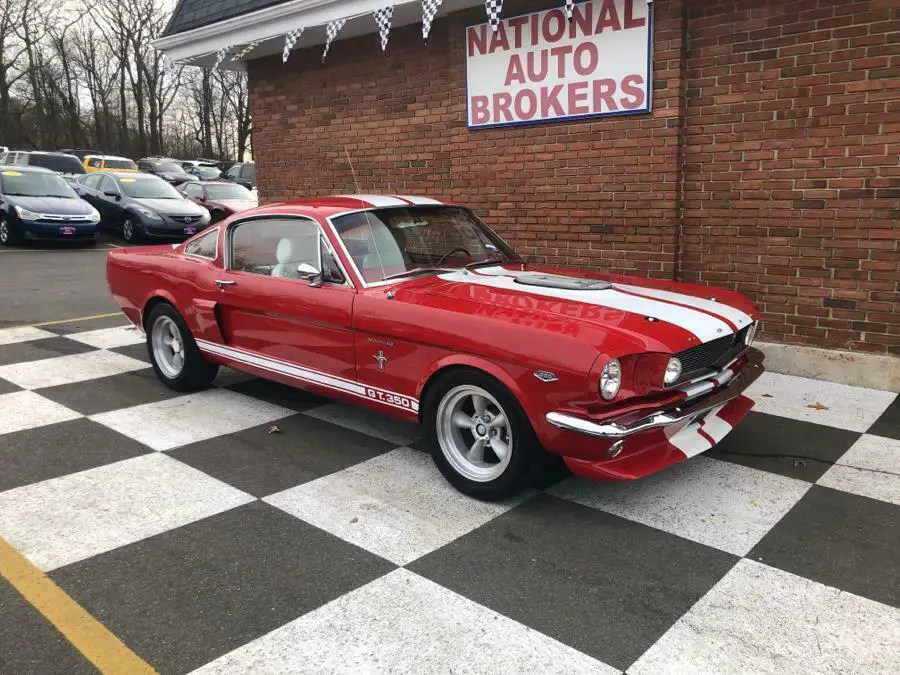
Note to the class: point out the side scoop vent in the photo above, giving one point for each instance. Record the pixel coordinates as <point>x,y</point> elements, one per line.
<point>564,283</point>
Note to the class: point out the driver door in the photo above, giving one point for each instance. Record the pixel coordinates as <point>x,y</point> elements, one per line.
<point>266,308</point>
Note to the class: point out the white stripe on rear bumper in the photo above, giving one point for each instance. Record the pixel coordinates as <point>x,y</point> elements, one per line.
<point>703,326</point>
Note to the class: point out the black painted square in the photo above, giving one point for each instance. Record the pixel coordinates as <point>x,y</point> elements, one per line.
<point>888,425</point>
<point>38,350</point>
<point>111,393</point>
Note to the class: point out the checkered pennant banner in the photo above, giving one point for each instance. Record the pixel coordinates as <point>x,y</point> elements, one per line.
<point>220,56</point>
<point>383,18</point>
<point>570,7</point>
<point>493,9</point>
<point>290,39</point>
<point>167,64</point>
<point>246,49</point>
<point>331,31</point>
<point>429,11</point>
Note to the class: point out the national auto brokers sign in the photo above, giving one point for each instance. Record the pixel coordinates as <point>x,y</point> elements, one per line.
<point>539,67</point>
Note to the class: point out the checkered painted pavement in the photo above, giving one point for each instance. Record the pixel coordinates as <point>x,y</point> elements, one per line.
<point>333,545</point>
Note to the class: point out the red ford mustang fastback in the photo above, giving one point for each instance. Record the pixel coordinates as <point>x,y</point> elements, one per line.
<point>418,309</point>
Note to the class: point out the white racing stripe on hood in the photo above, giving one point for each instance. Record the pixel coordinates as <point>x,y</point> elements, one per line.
<point>732,314</point>
<point>703,326</point>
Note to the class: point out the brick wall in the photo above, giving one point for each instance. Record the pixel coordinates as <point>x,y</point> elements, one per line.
<point>769,163</point>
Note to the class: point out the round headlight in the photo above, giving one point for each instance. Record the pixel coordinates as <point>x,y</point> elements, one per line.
<point>673,371</point>
<point>751,334</point>
<point>610,379</point>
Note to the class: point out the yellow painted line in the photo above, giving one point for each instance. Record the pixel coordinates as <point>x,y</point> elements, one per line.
<point>114,246</point>
<point>77,318</point>
<point>87,635</point>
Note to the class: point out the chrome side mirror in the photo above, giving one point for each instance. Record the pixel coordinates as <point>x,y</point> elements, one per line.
<point>310,273</point>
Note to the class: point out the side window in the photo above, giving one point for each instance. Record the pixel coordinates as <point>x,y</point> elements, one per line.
<point>91,181</point>
<point>331,272</point>
<point>94,163</point>
<point>193,190</point>
<point>275,247</point>
<point>234,172</point>
<point>204,246</point>
<point>107,183</point>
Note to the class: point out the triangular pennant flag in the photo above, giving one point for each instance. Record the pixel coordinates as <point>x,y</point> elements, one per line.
<point>167,64</point>
<point>290,39</point>
<point>570,7</point>
<point>220,55</point>
<point>429,10</point>
<point>383,19</point>
<point>493,9</point>
<point>246,49</point>
<point>331,31</point>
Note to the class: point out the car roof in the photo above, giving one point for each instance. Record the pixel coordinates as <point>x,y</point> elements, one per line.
<point>57,153</point>
<point>25,168</point>
<point>107,157</point>
<point>336,205</point>
<point>125,174</point>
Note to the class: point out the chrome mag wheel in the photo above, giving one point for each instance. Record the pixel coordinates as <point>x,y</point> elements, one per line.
<point>474,433</point>
<point>168,346</point>
<point>128,230</point>
<point>4,231</point>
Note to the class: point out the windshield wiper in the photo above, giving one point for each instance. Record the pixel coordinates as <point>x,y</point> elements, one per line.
<point>419,270</point>
<point>492,261</point>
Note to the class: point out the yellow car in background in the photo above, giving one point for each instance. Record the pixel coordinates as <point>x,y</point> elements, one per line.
<point>109,162</point>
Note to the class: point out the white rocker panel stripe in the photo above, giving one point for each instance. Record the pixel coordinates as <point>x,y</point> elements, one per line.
<point>383,396</point>
<point>700,324</point>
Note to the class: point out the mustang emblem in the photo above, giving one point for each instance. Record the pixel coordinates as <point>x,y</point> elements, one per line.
<point>381,358</point>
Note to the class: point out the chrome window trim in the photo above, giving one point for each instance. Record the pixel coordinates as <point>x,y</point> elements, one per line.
<point>226,259</point>
<point>199,236</point>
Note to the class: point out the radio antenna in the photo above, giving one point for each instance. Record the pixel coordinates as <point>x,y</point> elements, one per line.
<point>368,221</point>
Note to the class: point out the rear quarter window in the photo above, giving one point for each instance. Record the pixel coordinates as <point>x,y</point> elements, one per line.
<point>203,246</point>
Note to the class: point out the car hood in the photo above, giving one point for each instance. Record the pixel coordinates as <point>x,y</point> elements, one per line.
<point>236,205</point>
<point>646,314</point>
<point>170,207</point>
<point>52,205</point>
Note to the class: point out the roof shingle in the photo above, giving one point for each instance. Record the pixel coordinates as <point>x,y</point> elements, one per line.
<point>191,14</point>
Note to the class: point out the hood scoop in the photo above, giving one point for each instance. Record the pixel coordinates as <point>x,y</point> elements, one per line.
<point>561,282</point>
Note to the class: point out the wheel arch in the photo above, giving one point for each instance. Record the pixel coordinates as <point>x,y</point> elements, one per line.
<point>465,362</point>
<point>155,299</point>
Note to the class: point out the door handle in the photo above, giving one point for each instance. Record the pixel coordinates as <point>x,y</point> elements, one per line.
<point>222,283</point>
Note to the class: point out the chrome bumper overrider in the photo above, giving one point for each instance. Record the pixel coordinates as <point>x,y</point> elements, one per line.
<point>734,388</point>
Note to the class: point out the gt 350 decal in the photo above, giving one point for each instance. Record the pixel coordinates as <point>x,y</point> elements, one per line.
<point>303,374</point>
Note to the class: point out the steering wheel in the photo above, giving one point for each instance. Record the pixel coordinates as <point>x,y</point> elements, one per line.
<point>448,254</point>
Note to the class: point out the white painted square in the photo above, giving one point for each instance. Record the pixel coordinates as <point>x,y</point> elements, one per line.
<point>720,504</point>
<point>109,338</point>
<point>62,520</point>
<point>368,422</point>
<point>403,623</point>
<point>758,619</point>
<point>871,467</point>
<point>10,336</point>
<point>175,422</point>
<point>27,410</point>
<point>396,505</point>
<point>69,369</point>
<point>846,407</point>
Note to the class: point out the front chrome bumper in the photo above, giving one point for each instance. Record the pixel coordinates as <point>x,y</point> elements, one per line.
<point>699,405</point>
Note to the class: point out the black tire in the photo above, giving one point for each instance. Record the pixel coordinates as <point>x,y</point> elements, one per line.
<point>131,231</point>
<point>528,459</point>
<point>197,373</point>
<point>7,236</point>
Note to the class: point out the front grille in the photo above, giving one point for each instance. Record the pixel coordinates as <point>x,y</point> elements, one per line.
<point>714,354</point>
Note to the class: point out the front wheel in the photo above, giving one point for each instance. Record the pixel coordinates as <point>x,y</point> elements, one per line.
<point>130,230</point>
<point>174,353</point>
<point>7,236</point>
<point>481,439</point>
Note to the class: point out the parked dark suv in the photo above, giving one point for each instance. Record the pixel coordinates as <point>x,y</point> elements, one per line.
<point>243,173</point>
<point>170,170</point>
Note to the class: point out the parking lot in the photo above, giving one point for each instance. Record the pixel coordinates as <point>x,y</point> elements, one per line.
<point>256,528</point>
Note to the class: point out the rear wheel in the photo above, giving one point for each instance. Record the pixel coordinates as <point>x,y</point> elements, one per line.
<point>7,236</point>
<point>481,439</point>
<point>174,353</point>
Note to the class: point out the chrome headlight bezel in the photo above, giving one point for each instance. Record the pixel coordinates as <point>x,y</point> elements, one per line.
<point>751,334</point>
<point>25,214</point>
<point>610,379</point>
<point>673,371</point>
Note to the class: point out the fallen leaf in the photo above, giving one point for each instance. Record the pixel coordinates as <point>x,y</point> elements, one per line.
<point>274,429</point>
<point>354,519</point>
<point>817,406</point>
<point>797,463</point>
<point>767,396</point>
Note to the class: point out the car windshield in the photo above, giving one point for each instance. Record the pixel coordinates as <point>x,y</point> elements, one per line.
<point>208,172</point>
<point>216,192</point>
<point>393,242</point>
<point>168,167</point>
<point>34,184</point>
<point>149,188</point>
<point>59,163</point>
<point>119,164</point>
